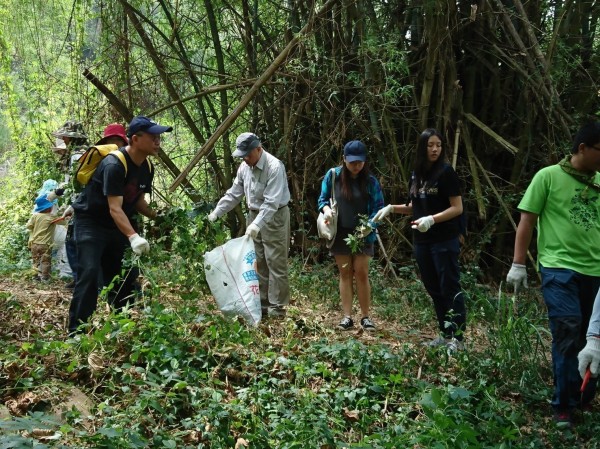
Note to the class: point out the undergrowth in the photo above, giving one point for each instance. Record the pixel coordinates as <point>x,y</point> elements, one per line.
<point>171,372</point>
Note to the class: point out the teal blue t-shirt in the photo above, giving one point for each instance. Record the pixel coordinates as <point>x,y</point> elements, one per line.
<point>569,220</point>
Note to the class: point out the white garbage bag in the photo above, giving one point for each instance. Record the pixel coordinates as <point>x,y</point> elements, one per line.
<point>59,253</point>
<point>231,275</point>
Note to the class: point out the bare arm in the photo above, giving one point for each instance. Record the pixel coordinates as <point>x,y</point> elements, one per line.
<point>115,204</point>
<point>404,209</point>
<point>523,237</point>
<point>144,208</point>
<point>455,209</point>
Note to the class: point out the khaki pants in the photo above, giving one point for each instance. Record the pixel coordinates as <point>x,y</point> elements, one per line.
<point>42,259</point>
<point>272,247</point>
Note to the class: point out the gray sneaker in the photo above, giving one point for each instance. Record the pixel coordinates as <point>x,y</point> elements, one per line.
<point>346,324</point>
<point>437,341</point>
<point>367,324</point>
<point>454,345</point>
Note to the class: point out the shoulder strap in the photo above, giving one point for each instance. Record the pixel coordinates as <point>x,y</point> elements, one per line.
<point>119,155</point>
<point>333,185</point>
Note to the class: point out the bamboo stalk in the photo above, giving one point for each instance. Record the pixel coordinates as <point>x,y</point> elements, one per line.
<point>486,129</point>
<point>502,204</point>
<point>476,183</point>
<point>268,73</point>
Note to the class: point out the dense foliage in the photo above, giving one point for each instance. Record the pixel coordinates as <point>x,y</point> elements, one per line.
<point>507,83</point>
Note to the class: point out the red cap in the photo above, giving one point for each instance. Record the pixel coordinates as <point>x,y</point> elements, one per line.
<point>112,130</point>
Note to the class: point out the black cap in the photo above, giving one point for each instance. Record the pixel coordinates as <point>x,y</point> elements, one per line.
<point>144,124</point>
<point>354,151</point>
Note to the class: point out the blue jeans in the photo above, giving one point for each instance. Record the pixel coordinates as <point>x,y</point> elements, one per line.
<point>100,253</point>
<point>71,248</point>
<point>440,274</point>
<point>569,297</point>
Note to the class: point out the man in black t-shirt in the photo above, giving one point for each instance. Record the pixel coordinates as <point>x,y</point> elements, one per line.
<point>105,220</point>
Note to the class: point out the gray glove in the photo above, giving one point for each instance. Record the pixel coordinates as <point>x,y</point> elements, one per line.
<point>517,276</point>
<point>212,217</point>
<point>589,356</point>
<point>139,245</point>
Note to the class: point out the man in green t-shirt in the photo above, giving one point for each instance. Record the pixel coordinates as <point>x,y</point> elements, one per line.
<point>563,200</point>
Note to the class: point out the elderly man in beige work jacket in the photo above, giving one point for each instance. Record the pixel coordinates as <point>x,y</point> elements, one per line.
<point>261,178</point>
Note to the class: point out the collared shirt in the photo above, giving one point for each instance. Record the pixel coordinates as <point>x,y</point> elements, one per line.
<point>264,185</point>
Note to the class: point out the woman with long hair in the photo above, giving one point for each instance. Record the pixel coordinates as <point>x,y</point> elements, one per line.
<point>356,193</point>
<point>435,203</point>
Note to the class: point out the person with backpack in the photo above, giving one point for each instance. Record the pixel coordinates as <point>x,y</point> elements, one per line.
<point>435,203</point>
<point>71,142</point>
<point>105,224</point>
<point>563,202</point>
<point>355,192</point>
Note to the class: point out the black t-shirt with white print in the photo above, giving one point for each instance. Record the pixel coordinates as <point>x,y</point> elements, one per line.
<point>109,180</point>
<point>433,197</point>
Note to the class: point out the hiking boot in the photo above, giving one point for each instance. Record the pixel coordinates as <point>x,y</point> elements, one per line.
<point>367,324</point>
<point>346,324</point>
<point>454,345</point>
<point>437,341</point>
<point>563,419</point>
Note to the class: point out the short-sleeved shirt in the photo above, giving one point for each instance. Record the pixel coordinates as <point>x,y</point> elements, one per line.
<point>434,197</point>
<point>109,180</point>
<point>42,229</point>
<point>569,220</point>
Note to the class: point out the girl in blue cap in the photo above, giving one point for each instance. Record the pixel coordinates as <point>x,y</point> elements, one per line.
<point>356,192</point>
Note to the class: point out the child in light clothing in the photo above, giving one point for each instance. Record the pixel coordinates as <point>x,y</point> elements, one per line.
<point>41,237</point>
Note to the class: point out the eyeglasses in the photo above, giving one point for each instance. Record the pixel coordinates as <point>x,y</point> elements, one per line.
<point>154,137</point>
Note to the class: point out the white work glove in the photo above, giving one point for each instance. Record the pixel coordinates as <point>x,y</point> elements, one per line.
<point>139,245</point>
<point>212,217</point>
<point>252,231</point>
<point>517,276</point>
<point>364,231</point>
<point>423,224</point>
<point>68,212</point>
<point>384,212</point>
<point>589,356</point>
<point>327,214</point>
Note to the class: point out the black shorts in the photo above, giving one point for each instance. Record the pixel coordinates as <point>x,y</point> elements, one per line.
<point>341,248</point>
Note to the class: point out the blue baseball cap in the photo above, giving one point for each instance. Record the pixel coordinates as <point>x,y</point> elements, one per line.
<point>144,124</point>
<point>354,151</point>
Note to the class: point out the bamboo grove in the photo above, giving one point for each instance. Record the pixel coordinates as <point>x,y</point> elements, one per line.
<point>506,81</point>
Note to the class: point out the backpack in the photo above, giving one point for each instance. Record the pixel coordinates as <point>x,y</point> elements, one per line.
<point>89,161</point>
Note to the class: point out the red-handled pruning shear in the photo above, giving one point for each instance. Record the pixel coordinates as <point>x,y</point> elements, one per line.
<point>586,379</point>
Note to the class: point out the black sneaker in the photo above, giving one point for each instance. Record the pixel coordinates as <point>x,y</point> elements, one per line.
<point>367,324</point>
<point>346,324</point>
